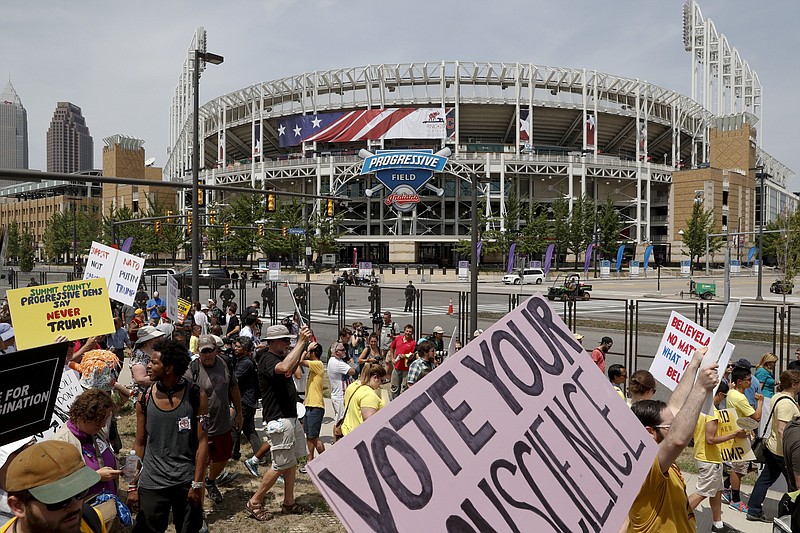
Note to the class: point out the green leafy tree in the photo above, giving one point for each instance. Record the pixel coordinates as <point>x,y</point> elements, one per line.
<point>325,231</point>
<point>243,210</point>
<point>130,227</point>
<point>784,246</point>
<point>13,237</point>
<point>580,224</point>
<point>560,226</point>
<point>535,233</point>
<point>609,226</point>
<point>26,252</point>
<point>698,228</point>
<point>286,215</point>
<point>57,236</point>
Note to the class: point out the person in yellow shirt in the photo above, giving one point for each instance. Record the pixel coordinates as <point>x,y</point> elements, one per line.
<point>709,462</point>
<point>360,399</point>
<point>314,402</point>
<point>661,505</point>
<point>618,375</point>
<point>741,379</point>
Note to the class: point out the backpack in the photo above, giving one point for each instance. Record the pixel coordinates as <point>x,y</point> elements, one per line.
<point>91,518</point>
<point>194,400</point>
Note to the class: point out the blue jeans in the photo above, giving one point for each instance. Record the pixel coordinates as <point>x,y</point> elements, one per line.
<point>773,469</point>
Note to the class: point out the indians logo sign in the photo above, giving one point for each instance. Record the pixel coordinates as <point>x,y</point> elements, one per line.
<point>404,172</point>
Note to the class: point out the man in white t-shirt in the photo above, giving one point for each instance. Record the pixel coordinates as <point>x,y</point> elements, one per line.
<point>200,317</point>
<point>339,374</point>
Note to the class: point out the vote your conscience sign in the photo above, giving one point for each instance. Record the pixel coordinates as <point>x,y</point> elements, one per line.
<point>517,431</point>
<point>74,309</point>
<point>29,385</point>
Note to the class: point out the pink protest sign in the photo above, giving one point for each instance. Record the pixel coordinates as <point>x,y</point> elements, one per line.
<point>518,431</point>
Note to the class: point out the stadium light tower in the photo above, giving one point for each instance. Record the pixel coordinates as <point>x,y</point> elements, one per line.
<point>214,59</point>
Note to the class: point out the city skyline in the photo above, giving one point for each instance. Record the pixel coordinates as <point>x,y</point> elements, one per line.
<point>124,80</point>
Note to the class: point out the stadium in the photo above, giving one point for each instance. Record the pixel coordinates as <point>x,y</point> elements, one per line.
<point>539,132</point>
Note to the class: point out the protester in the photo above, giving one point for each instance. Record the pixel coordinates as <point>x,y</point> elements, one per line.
<point>708,459</point>
<point>389,330</point>
<point>339,374</point>
<point>214,377</point>
<point>400,351</point>
<point>765,374</point>
<point>361,399</point>
<point>194,339</point>
<point>171,439</point>
<point>423,364</point>
<point>249,324</point>
<point>755,385</point>
<point>233,321</point>
<point>599,353</point>
<point>46,485</point>
<point>88,416</point>
<point>119,340</point>
<point>215,312</point>
<point>134,325</point>
<point>314,401</point>
<point>791,456</point>
<point>784,409</point>
<point>200,317</point>
<point>285,435</point>
<point>618,375</point>
<point>247,377</point>
<point>641,386</point>
<point>741,379</point>
<point>661,504</point>
<point>437,339</point>
<point>142,351</point>
<point>372,352</point>
<point>152,306</point>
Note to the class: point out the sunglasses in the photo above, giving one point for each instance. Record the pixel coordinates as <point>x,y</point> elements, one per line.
<point>58,506</point>
<point>207,350</point>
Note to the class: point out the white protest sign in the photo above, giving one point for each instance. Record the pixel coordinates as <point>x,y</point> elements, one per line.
<point>517,431</point>
<point>69,389</point>
<point>121,271</point>
<point>173,293</point>
<point>682,337</point>
<point>100,263</point>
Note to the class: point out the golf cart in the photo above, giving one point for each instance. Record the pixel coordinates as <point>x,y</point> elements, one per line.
<point>569,287</point>
<point>780,286</point>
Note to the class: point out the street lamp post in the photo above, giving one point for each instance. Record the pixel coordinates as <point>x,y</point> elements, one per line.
<point>473,275</point>
<point>761,175</point>
<point>215,60</point>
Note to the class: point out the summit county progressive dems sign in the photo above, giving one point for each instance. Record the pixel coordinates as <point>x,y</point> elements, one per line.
<point>403,172</point>
<point>517,431</point>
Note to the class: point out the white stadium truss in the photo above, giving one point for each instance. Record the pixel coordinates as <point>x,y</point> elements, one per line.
<point>487,99</point>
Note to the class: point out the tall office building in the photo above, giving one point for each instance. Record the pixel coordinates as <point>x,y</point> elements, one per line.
<point>70,148</point>
<point>13,130</point>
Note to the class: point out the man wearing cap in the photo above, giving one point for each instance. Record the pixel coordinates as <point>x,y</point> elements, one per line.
<point>423,364</point>
<point>755,384</point>
<point>213,310</point>
<point>136,322</point>
<point>46,485</point>
<point>284,432</point>
<point>437,339</point>
<point>599,353</point>
<point>215,378</point>
<point>153,305</point>
<point>736,399</point>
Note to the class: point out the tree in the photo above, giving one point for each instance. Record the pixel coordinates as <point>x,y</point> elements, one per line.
<point>325,231</point>
<point>609,227</point>
<point>243,210</point>
<point>785,245</point>
<point>26,252</point>
<point>57,236</point>
<point>560,225</point>
<point>13,237</point>
<point>536,232</point>
<point>698,228</point>
<point>580,226</point>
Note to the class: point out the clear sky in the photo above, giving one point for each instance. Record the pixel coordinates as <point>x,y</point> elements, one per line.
<point>120,61</point>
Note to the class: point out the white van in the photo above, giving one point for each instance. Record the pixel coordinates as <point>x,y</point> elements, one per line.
<point>529,276</point>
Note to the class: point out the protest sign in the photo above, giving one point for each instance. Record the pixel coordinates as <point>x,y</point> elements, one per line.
<point>69,389</point>
<point>30,380</point>
<point>184,306</point>
<point>517,431</point>
<point>74,309</point>
<point>736,449</point>
<point>682,337</point>
<point>173,294</point>
<point>122,271</point>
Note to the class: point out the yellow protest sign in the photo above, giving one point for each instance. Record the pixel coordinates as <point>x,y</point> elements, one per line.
<point>75,309</point>
<point>736,449</point>
<point>183,309</point>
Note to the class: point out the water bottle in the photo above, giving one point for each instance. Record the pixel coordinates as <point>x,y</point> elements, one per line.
<point>131,468</point>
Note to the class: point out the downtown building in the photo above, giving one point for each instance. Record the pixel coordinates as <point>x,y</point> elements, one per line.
<point>70,147</point>
<point>13,131</point>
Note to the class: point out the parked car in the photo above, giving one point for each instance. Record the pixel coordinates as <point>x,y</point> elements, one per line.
<point>211,277</point>
<point>160,275</point>
<point>780,286</point>
<point>525,277</point>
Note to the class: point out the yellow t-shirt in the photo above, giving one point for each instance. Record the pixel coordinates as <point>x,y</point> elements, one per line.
<point>314,384</point>
<point>662,505</point>
<point>84,526</point>
<point>737,400</point>
<point>785,411</point>
<point>619,391</point>
<point>362,396</point>
<point>193,342</point>
<point>703,451</point>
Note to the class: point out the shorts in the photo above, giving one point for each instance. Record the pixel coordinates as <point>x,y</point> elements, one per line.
<point>312,423</point>
<point>220,447</point>
<point>709,478</point>
<point>740,467</point>
<point>287,442</point>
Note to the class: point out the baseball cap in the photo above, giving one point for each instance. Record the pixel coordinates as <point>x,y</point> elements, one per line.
<point>205,342</point>
<point>438,329</point>
<point>52,471</point>
<point>138,312</point>
<point>743,363</point>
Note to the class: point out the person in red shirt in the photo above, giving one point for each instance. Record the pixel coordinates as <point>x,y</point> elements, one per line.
<point>599,353</point>
<point>400,352</point>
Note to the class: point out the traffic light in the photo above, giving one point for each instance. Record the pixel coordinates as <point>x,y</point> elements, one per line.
<point>169,217</point>
<point>200,197</point>
<point>158,227</point>
<point>261,230</point>
<point>212,218</point>
<point>227,229</point>
<point>285,231</point>
<point>189,221</point>
<point>270,202</point>
<point>330,208</point>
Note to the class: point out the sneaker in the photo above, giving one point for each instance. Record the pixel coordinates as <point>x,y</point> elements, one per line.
<point>280,480</point>
<point>725,528</point>
<point>225,477</point>
<point>726,496</point>
<point>302,470</point>
<point>738,506</point>
<point>213,492</point>
<point>758,518</point>
<point>252,466</point>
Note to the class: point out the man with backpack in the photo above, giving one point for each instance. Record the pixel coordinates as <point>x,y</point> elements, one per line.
<point>171,440</point>
<point>215,377</point>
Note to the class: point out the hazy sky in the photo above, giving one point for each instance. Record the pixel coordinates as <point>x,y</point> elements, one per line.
<point>120,61</point>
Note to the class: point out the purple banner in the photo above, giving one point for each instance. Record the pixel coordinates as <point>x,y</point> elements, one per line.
<point>126,245</point>
<point>647,252</point>
<point>548,257</point>
<point>511,251</point>
<point>620,250</point>
<point>588,258</point>
<point>480,245</point>
<point>751,253</point>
